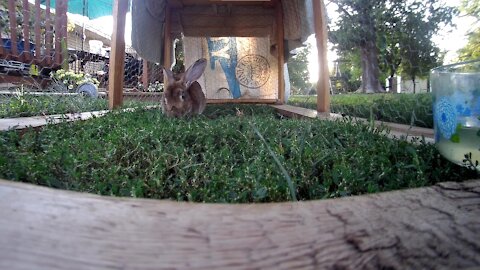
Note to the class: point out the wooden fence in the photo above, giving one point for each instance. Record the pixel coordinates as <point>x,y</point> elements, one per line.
<point>44,49</point>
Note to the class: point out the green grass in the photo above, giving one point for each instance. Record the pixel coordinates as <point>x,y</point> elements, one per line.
<point>220,157</point>
<point>409,109</point>
<point>30,105</point>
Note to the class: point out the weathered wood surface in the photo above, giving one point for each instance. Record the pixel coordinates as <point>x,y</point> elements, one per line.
<point>428,228</point>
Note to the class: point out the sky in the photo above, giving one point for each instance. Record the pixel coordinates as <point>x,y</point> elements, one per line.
<point>449,40</point>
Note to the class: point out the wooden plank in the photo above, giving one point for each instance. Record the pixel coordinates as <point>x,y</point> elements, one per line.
<point>242,101</point>
<point>233,2</point>
<point>2,48</point>
<point>64,33</point>
<point>168,43</point>
<point>13,27</point>
<point>145,73</point>
<point>38,34</point>
<point>428,228</point>
<point>48,33</point>
<point>26,30</point>
<point>321,35</point>
<point>280,51</point>
<point>237,31</point>
<point>60,19</point>
<point>117,55</point>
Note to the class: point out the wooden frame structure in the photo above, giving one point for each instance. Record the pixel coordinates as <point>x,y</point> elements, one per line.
<point>52,56</point>
<point>118,51</point>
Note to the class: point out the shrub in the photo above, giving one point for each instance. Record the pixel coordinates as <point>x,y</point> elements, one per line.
<point>71,80</point>
<point>409,109</point>
<point>218,157</point>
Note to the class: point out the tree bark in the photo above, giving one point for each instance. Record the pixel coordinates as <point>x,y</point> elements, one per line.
<point>370,69</point>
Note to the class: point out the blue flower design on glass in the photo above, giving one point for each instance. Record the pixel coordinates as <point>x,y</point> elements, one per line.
<point>445,117</point>
<point>462,101</point>
<point>476,106</point>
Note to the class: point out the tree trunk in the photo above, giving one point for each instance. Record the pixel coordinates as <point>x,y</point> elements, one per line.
<point>370,69</point>
<point>414,86</point>
<point>392,88</point>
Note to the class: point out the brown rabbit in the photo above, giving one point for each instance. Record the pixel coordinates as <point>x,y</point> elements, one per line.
<point>184,96</point>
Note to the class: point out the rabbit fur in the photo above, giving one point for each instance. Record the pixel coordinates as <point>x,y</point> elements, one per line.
<point>183,95</point>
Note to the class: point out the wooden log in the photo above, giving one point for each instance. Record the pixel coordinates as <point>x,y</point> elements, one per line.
<point>280,51</point>
<point>26,31</point>
<point>321,35</point>
<point>13,28</point>
<point>117,55</point>
<point>428,228</point>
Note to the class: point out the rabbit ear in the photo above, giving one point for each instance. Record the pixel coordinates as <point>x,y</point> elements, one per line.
<point>194,72</point>
<point>167,76</point>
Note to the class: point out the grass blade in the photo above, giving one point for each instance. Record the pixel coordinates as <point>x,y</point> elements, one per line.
<point>277,161</point>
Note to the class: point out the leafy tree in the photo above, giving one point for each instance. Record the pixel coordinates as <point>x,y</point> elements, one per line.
<point>418,53</point>
<point>298,71</point>
<point>471,8</point>
<point>349,65</point>
<point>471,51</point>
<point>356,30</point>
<point>386,36</point>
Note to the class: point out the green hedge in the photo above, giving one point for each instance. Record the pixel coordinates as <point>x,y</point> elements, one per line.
<point>409,109</point>
<point>219,157</point>
<point>23,105</point>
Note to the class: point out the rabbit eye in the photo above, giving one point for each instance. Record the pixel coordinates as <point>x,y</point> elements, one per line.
<point>182,95</point>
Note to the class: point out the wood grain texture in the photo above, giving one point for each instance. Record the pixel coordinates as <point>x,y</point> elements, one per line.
<point>117,55</point>
<point>428,228</point>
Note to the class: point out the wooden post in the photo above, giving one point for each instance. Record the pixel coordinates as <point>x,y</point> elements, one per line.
<point>168,46</point>
<point>117,55</point>
<point>145,73</point>
<point>323,91</point>
<point>13,27</point>
<point>280,51</point>
<point>38,20</point>
<point>60,29</point>
<point>26,30</point>
<point>48,33</point>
